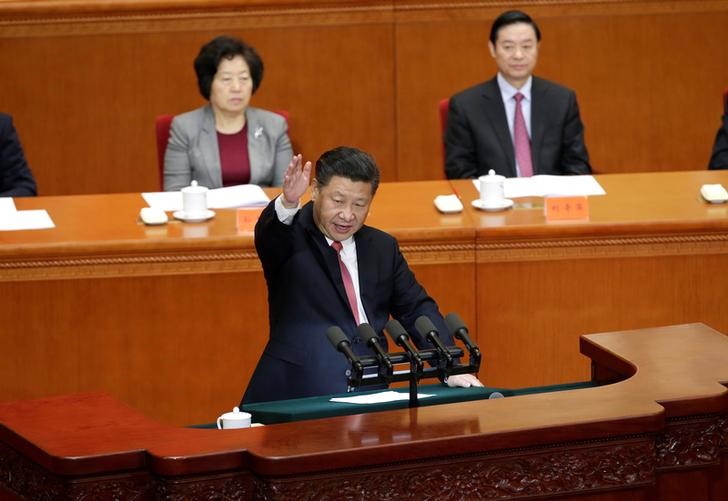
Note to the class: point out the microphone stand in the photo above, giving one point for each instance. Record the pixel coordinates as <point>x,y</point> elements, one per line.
<point>441,365</point>
<point>413,377</point>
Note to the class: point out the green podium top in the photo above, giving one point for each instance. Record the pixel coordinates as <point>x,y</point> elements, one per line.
<point>283,411</point>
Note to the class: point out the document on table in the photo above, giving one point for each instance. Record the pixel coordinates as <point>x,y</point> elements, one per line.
<point>242,195</point>
<point>7,206</point>
<point>376,398</point>
<point>546,185</point>
<point>12,219</point>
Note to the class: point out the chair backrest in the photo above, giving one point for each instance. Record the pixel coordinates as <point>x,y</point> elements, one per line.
<point>162,125</point>
<point>284,114</point>
<point>725,99</point>
<point>443,107</point>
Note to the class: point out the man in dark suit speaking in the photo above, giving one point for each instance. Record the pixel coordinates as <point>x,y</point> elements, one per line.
<point>515,123</point>
<point>324,267</point>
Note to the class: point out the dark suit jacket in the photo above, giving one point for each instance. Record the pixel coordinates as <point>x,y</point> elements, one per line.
<point>16,179</point>
<point>477,138</point>
<point>306,296</point>
<point>719,157</point>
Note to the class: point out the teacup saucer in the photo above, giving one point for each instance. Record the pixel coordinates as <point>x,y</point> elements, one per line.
<point>507,203</point>
<point>198,218</point>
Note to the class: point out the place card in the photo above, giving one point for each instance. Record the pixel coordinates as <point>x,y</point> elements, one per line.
<point>566,208</point>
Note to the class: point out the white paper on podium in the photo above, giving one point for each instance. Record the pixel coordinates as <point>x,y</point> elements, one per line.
<point>376,398</point>
<point>242,195</point>
<point>545,185</point>
<point>7,207</point>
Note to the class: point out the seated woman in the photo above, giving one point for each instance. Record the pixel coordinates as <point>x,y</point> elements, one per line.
<point>227,142</point>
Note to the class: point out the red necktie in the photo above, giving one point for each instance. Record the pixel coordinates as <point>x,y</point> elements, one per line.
<point>348,284</point>
<point>521,140</point>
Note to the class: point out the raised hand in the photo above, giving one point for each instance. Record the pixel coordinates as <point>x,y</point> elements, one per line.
<point>295,181</point>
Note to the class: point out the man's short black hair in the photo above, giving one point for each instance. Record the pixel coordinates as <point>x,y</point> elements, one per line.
<point>348,162</point>
<point>225,47</point>
<point>512,17</point>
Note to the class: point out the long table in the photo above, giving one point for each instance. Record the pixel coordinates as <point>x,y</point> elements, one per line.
<point>653,252</point>
<point>172,319</point>
<point>655,428</point>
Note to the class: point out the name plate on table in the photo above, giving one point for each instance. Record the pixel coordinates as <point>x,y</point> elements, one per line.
<point>246,219</point>
<point>566,208</point>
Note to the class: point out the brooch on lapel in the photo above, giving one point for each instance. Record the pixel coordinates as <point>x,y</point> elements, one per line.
<point>258,132</point>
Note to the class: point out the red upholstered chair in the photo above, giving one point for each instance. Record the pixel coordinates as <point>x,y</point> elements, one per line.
<point>162,126</point>
<point>443,106</point>
<point>284,114</point>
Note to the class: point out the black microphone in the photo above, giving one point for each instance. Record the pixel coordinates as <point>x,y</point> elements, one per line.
<point>372,340</point>
<point>401,338</point>
<point>457,328</point>
<point>428,330</point>
<point>341,343</point>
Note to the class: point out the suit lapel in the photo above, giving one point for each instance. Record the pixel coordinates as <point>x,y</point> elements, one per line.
<point>209,147</point>
<point>538,127</point>
<point>496,114</point>
<point>366,259</point>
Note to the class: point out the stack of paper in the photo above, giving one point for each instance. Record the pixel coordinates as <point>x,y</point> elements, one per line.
<point>544,186</point>
<point>242,195</point>
<point>376,398</point>
<point>13,219</point>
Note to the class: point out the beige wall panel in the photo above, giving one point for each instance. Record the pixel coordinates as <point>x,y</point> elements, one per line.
<point>647,78</point>
<point>85,81</point>
<point>85,105</point>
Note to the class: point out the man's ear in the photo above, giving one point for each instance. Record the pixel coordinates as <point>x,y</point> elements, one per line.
<point>492,48</point>
<point>314,189</point>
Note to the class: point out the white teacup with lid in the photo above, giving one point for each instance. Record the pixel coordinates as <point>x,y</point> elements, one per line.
<point>194,201</point>
<point>492,190</point>
<point>234,419</point>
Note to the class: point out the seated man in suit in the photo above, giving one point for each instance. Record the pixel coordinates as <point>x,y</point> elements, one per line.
<point>16,180</point>
<point>312,285</point>
<point>515,124</point>
<point>719,157</point>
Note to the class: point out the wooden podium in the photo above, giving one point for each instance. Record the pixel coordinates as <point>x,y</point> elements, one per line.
<point>657,429</point>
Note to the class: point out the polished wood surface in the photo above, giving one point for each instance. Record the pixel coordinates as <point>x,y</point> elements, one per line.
<point>94,75</point>
<point>665,421</point>
<point>173,318</point>
<point>652,253</point>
